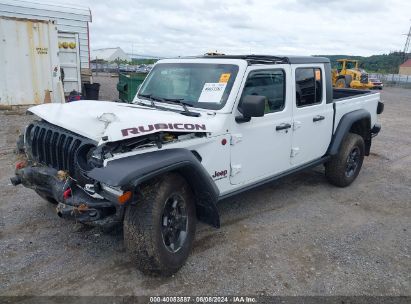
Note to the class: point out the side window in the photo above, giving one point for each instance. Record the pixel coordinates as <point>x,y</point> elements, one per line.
<point>268,83</point>
<point>308,85</point>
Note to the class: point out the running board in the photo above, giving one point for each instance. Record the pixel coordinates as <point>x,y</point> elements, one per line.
<point>307,166</point>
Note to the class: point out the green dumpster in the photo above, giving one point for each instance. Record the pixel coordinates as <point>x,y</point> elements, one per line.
<point>128,84</point>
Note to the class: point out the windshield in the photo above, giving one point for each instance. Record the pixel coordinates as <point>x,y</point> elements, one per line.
<point>196,84</point>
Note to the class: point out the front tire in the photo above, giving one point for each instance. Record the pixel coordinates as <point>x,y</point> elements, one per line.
<point>344,167</point>
<point>159,229</point>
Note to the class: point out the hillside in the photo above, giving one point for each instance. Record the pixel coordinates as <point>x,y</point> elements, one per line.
<point>385,63</point>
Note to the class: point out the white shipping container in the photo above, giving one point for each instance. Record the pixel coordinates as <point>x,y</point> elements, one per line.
<point>29,64</point>
<point>69,19</point>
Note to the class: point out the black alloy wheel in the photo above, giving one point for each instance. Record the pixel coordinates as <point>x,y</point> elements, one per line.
<point>353,161</point>
<point>174,224</point>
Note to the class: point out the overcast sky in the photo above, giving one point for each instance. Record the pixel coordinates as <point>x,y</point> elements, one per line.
<point>305,27</point>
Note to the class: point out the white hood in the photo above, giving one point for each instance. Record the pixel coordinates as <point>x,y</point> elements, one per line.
<point>118,121</point>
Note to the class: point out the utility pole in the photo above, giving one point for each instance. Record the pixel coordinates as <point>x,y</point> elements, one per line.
<point>407,45</point>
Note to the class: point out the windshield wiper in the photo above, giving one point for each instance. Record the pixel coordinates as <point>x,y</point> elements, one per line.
<point>151,98</point>
<point>181,102</point>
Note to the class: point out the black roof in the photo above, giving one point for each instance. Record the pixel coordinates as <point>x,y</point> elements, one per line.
<point>270,59</point>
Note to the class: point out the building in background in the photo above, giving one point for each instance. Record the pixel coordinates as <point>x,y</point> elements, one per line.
<point>405,68</point>
<point>109,55</point>
<point>73,45</point>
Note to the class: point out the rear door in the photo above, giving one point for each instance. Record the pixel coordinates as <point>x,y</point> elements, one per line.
<point>261,147</point>
<point>312,116</point>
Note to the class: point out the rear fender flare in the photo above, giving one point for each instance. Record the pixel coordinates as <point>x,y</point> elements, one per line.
<point>344,127</point>
<point>132,171</point>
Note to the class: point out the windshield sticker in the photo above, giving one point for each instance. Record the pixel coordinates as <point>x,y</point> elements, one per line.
<point>224,77</point>
<point>212,92</point>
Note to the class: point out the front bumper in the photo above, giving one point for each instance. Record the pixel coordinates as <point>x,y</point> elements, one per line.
<point>73,201</point>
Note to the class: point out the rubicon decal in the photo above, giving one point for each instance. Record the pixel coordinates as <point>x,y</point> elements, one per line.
<point>219,174</point>
<point>164,126</point>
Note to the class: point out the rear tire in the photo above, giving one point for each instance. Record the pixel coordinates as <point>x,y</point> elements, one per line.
<point>344,167</point>
<point>159,229</point>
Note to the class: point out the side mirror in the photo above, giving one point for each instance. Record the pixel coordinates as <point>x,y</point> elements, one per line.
<point>251,106</point>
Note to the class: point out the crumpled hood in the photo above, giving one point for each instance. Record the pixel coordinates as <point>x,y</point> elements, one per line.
<point>118,121</point>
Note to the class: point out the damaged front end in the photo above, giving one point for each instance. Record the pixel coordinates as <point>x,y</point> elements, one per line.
<point>82,204</point>
<point>56,166</point>
<point>69,170</point>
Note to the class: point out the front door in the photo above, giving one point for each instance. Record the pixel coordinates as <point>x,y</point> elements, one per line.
<point>261,147</point>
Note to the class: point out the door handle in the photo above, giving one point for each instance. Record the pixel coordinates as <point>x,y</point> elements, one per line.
<point>283,126</point>
<point>318,118</point>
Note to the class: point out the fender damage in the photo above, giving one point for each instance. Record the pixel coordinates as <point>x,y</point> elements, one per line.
<point>78,129</point>
<point>130,172</point>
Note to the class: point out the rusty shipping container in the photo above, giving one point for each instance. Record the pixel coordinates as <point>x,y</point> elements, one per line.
<point>29,63</point>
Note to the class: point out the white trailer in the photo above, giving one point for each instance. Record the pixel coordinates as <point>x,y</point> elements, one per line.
<point>72,31</point>
<point>29,64</point>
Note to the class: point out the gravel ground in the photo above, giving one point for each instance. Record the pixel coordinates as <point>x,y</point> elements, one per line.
<point>296,236</point>
<point>108,85</point>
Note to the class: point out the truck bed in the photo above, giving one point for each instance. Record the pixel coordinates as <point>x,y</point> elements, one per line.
<point>348,100</point>
<point>339,94</point>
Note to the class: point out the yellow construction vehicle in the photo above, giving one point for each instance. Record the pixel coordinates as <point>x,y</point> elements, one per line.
<point>349,75</point>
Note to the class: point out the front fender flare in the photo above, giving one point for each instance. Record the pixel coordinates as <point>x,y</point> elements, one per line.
<point>133,170</point>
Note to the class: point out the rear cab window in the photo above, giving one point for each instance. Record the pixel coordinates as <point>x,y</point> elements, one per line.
<point>308,86</point>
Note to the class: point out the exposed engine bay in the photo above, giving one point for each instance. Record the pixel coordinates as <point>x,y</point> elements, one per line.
<point>52,146</point>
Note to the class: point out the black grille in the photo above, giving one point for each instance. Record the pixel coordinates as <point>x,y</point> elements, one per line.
<point>54,146</point>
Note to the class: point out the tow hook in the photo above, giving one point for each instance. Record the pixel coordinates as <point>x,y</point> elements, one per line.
<point>63,209</point>
<point>81,208</point>
<point>67,194</point>
<point>80,212</point>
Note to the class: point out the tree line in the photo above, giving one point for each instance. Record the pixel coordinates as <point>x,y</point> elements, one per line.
<point>385,63</point>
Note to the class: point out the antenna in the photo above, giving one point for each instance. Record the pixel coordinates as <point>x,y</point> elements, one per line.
<point>407,45</point>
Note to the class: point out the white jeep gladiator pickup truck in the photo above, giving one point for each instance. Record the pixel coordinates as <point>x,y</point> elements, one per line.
<point>200,129</point>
